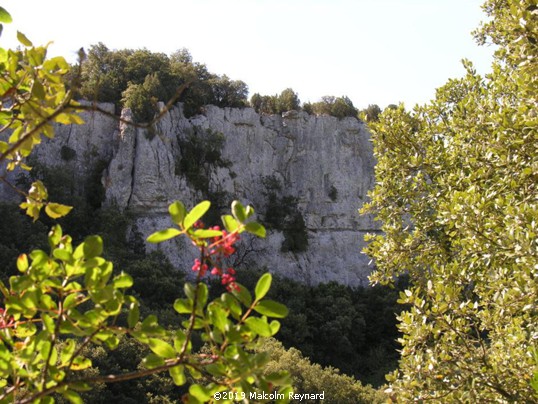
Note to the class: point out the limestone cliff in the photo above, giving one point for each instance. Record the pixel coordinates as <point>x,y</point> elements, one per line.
<point>323,164</point>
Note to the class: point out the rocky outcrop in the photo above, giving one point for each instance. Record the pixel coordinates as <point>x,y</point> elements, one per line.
<point>326,164</point>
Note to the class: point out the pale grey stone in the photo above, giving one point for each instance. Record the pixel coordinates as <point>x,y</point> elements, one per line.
<point>325,162</point>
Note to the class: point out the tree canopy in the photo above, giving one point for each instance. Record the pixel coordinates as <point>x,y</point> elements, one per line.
<point>457,197</point>
<point>137,79</point>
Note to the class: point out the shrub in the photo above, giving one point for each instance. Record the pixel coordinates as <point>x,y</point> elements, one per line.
<point>282,213</point>
<point>67,153</point>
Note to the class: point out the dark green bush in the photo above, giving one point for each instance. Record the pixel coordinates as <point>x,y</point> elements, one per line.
<point>282,213</point>
<point>67,153</point>
<point>200,152</point>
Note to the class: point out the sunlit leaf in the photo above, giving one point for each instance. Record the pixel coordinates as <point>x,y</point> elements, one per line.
<point>256,229</point>
<point>177,212</point>
<point>178,375</point>
<point>23,39</point>
<point>56,210</point>
<point>163,235</point>
<point>238,211</point>
<point>196,214</point>
<point>271,308</point>
<point>263,285</point>
<point>161,348</point>
<point>5,17</point>
<point>259,326</point>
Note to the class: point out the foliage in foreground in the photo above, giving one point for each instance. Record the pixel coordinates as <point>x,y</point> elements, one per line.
<point>457,196</point>
<point>70,297</point>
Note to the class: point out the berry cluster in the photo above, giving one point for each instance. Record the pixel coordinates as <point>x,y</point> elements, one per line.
<point>213,255</point>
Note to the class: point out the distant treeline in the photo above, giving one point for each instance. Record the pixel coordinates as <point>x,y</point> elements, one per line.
<point>138,79</point>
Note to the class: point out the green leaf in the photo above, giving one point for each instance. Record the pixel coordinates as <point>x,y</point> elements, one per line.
<point>152,361</point>
<point>203,233</point>
<point>23,40</point>
<point>80,363</point>
<point>263,286</point>
<point>275,326</point>
<point>271,308</point>
<point>199,392</point>
<point>230,224</point>
<point>243,295</point>
<point>259,326</point>
<point>24,330</point>
<point>177,212</point>
<point>22,263</point>
<point>161,348</point>
<point>238,210</point>
<point>232,304</point>
<point>256,229</point>
<point>163,235</point>
<point>5,17</point>
<point>62,255</point>
<point>38,90</point>
<point>123,280</point>
<point>68,119</point>
<point>55,236</point>
<point>72,396</point>
<point>134,313</point>
<point>217,316</point>
<point>72,300</point>
<point>183,306</point>
<point>151,326</point>
<point>56,210</point>
<point>249,211</point>
<point>178,375</point>
<point>203,293</point>
<point>92,247</point>
<point>195,214</point>
<point>189,290</point>
<point>67,351</point>
<point>179,341</point>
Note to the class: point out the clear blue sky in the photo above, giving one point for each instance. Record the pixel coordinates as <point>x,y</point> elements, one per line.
<point>373,51</point>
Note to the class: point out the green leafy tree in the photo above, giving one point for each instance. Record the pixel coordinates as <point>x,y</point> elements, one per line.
<point>102,78</point>
<point>229,93</point>
<point>371,114</point>
<point>288,100</point>
<point>339,107</point>
<point>458,202</point>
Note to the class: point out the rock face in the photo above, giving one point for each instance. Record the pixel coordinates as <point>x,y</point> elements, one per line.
<point>323,164</point>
